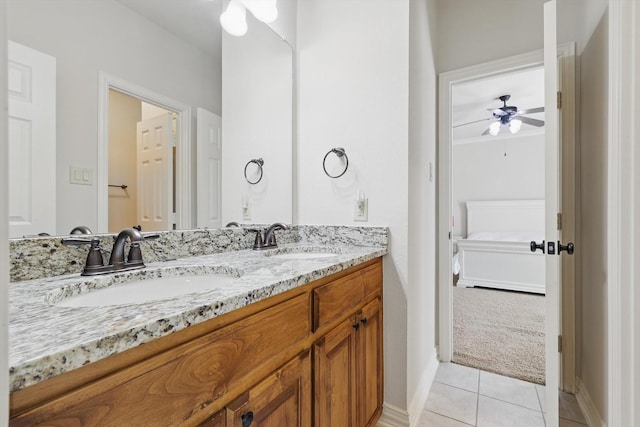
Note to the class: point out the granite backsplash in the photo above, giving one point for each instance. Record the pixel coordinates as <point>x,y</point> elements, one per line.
<point>34,258</point>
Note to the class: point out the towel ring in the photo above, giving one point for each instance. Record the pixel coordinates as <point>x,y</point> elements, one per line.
<point>258,162</point>
<point>340,153</point>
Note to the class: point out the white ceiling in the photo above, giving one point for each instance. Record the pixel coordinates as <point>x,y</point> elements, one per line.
<point>195,21</point>
<point>475,100</point>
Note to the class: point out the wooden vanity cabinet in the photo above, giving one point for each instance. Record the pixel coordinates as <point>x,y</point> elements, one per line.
<point>257,366</point>
<point>219,419</point>
<point>348,370</point>
<point>348,356</point>
<point>282,399</point>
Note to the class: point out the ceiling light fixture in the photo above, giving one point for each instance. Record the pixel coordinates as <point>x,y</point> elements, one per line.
<point>234,18</point>
<point>514,125</point>
<point>494,128</point>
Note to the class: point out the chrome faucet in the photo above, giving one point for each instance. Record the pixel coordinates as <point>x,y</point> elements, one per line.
<point>117,253</point>
<point>95,263</point>
<point>81,229</point>
<point>268,239</point>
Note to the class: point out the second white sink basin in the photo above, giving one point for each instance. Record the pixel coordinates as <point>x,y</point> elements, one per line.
<point>143,291</point>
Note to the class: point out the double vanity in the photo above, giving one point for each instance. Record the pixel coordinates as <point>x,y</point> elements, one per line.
<point>218,336</point>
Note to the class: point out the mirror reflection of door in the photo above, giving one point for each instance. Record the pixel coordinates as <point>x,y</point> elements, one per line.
<point>142,140</point>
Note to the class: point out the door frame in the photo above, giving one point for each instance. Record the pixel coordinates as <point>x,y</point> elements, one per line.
<point>445,280</point>
<point>183,146</point>
<point>623,377</point>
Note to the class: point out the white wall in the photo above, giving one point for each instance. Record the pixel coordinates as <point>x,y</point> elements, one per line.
<point>472,32</point>
<point>104,35</point>
<point>286,24</point>
<point>421,289</point>
<point>257,116</point>
<point>353,89</point>
<point>592,368</point>
<point>481,171</point>
<point>4,229</point>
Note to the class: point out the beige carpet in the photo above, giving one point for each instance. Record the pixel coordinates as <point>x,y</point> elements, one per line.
<point>500,332</point>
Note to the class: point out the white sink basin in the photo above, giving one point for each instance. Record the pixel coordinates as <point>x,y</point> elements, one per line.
<point>303,255</point>
<point>143,291</point>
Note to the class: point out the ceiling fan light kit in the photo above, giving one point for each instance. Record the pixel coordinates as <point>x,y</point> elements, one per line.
<point>509,115</point>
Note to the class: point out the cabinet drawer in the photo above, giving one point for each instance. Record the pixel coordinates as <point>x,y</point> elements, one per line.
<point>336,299</point>
<point>168,389</point>
<point>372,277</point>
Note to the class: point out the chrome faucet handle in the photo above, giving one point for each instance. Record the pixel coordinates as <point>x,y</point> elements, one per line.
<point>135,253</point>
<point>94,258</point>
<point>258,243</point>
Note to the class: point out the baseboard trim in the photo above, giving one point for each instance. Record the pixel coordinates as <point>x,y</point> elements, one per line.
<point>420,397</point>
<point>392,416</point>
<point>589,409</point>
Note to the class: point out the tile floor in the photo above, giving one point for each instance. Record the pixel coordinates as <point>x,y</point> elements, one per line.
<point>462,397</point>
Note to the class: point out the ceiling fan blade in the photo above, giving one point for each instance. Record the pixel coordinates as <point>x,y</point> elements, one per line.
<point>532,110</point>
<point>468,123</point>
<point>532,122</point>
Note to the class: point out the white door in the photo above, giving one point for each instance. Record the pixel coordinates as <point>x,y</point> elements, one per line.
<point>32,141</point>
<point>209,154</point>
<point>552,208</point>
<point>155,143</point>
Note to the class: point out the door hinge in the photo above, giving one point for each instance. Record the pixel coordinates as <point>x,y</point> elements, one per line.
<point>559,223</point>
<point>559,101</point>
<point>559,343</point>
<point>449,235</point>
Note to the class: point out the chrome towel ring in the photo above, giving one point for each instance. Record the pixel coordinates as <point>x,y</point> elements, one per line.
<point>258,162</point>
<point>340,153</point>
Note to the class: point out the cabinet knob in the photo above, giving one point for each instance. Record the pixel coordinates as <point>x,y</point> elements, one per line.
<point>364,320</point>
<point>247,419</point>
<point>356,326</point>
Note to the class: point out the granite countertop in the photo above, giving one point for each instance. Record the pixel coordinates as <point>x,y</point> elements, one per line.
<point>46,339</point>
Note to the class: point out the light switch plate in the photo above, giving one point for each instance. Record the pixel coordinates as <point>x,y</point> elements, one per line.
<point>80,176</point>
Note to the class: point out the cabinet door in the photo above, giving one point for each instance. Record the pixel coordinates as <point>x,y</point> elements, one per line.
<point>335,376</point>
<point>282,399</point>
<point>369,363</point>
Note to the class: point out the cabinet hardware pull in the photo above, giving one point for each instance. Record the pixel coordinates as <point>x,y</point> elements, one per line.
<point>363,320</point>
<point>356,326</point>
<point>247,419</point>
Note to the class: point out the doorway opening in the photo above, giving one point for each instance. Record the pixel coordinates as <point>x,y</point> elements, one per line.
<point>566,296</point>
<point>497,195</point>
<point>179,187</point>
<point>141,186</point>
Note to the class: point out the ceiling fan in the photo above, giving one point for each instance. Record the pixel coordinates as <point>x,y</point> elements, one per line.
<point>509,115</point>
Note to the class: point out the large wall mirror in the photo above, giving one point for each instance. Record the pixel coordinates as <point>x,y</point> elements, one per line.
<point>122,78</point>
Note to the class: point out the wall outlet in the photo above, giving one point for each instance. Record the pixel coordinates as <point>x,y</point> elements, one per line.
<point>246,210</point>
<point>362,207</point>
